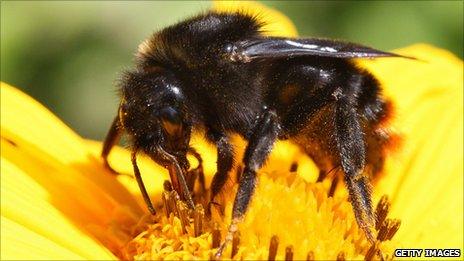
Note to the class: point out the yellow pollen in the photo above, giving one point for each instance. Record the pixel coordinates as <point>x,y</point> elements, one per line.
<point>288,219</point>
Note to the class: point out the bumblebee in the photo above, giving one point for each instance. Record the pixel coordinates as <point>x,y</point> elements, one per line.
<point>218,73</point>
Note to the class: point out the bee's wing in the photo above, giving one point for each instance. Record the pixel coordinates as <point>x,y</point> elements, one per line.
<point>275,47</point>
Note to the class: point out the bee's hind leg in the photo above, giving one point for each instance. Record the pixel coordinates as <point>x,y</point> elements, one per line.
<point>352,151</point>
<point>259,146</point>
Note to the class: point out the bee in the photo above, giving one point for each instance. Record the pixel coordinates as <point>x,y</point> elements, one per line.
<point>219,74</point>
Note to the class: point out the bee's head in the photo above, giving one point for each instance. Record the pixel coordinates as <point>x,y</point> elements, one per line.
<point>153,113</point>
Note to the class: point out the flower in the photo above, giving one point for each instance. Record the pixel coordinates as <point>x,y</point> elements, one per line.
<point>59,202</point>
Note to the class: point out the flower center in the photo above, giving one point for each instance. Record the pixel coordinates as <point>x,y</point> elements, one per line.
<point>289,218</point>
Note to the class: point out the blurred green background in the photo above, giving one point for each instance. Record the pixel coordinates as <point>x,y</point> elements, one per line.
<point>68,54</point>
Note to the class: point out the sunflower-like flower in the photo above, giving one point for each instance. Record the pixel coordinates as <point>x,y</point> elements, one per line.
<point>59,202</point>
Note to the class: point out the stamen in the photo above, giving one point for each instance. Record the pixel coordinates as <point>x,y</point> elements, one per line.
<point>198,216</point>
<point>310,256</point>
<point>235,244</point>
<point>183,215</point>
<point>194,223</point>
<point>173,198</point>
<point>395,226</point>
<point>273,245</point>
<point>166,203</point>
<point>289,253</point>
<point>166,198</point>
<point>381,211</point>
<point>383,230</point>
<point>294,167</point>
<point>216,234</point>
<point>388,229</point>
<point>372,251</point>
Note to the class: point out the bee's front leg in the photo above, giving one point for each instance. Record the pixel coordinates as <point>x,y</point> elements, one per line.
<point>142,188</point>
<point>176,174</point>
<point>113,137</point>
<point>259,146</point>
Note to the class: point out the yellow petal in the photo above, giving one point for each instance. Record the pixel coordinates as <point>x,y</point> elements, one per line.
<point>31,211</point>
<point>276,23</point>
<point>20,243</point>
<point>425,179</point>
<point>52,185</point>
<point>36,130</point>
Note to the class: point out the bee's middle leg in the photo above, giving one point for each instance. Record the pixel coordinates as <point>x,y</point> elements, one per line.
<point>225,160</point>
<point>196,173</point>
<point>259,146</point>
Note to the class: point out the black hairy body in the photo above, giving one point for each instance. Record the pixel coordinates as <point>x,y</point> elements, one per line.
<point>218,73</point>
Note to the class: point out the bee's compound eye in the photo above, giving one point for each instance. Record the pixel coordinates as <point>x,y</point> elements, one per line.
<point>171,121</point>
